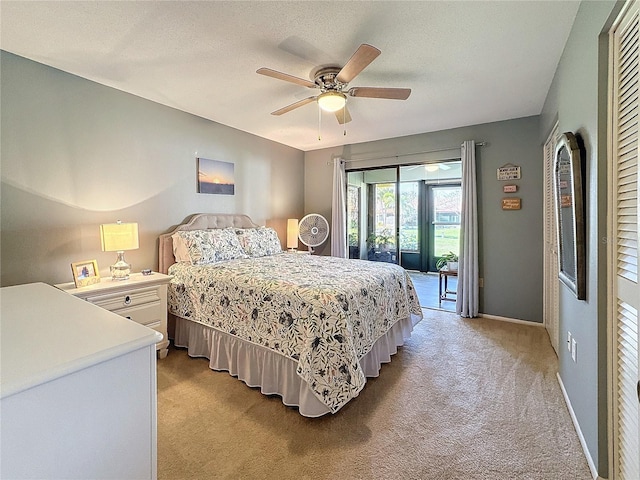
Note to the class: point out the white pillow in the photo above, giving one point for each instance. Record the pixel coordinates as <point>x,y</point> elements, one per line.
<point>259,242</point>
<point>211,246</point>
<point>180,250</point>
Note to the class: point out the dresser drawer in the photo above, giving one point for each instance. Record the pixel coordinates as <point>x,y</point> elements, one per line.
<point>117,301</point>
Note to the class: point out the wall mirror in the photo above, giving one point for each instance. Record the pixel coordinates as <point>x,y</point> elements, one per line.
<point>569,202</point>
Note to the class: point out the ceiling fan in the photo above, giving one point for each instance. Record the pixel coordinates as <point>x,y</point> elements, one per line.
<point>332,81</point>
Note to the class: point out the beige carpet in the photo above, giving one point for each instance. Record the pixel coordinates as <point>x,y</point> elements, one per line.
<point>463,399</point>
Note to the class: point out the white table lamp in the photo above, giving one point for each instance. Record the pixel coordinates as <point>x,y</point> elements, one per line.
<point>118,237</point>
<point>292,234</point>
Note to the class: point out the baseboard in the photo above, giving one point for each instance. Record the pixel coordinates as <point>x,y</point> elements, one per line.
<point>492,317</point>
<point>511,320</point>
<point>576,425</point>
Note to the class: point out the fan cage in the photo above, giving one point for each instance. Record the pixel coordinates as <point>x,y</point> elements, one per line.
<point>313,230</point>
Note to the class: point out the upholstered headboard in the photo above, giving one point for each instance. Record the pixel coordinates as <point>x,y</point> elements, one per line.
<point>199,221</point>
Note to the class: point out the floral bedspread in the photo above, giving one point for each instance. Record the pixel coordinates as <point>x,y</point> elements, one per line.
<point>323,312</point>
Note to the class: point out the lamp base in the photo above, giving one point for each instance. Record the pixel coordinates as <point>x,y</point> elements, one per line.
<point>121,269</point>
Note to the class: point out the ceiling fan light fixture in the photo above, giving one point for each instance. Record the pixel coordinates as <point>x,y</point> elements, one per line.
<point>332,101</point>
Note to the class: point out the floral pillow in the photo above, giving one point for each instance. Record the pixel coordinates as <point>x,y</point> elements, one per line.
<point>211,246</point>
<point>259,242</point>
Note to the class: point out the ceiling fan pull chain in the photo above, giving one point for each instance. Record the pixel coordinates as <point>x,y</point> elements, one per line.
<point>344,118</point>
<point>319,123</point>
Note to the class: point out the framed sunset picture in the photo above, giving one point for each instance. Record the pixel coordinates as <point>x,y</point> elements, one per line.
<point>215,177</point>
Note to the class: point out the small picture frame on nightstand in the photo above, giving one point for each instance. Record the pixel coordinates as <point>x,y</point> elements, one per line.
<point>85,273</point>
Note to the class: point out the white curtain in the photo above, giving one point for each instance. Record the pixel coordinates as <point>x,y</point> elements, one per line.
<point>467,299</point>
<point>338,211</point>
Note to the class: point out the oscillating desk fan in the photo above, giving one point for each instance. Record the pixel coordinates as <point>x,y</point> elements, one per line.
<point>313,230</point>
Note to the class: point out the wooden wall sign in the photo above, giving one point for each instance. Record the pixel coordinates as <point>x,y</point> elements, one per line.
<point>511,203</point>
<point>566,201</point>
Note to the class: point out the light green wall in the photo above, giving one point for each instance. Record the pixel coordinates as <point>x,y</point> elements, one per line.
<point>76,154</point>
<point>510,241</point>
<point>577,100</point>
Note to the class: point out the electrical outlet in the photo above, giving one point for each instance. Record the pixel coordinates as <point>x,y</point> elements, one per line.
<point>569,341</point>
<point>574,349</point>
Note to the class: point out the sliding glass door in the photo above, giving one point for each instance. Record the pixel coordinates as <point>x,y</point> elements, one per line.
<point>353,220</point>
<point>404,214</point>
<point>430,203</point>
<point>382,215</point>
<point>445,204</point>
<point>411,236</point>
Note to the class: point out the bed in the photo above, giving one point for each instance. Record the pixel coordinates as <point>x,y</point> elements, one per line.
<point>308,328</point>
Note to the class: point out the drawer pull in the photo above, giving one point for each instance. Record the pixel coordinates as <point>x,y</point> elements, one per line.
<point>127,300</point>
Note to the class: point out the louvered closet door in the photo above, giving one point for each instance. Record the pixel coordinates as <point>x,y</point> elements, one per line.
<point>624,206</point>
<point>551,269</point>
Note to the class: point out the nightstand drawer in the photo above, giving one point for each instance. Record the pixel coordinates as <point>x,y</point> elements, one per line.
<point>149,314</point>
<point>117,301</point>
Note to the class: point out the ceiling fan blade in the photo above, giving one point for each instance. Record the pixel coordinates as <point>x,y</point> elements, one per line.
<point>379,92</point>
<point>293,106</point>
<point>343,115</point>
<point>286,77</point>
<point>358,62</point>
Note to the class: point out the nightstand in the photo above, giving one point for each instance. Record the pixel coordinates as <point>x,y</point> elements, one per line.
<point>141,298</point>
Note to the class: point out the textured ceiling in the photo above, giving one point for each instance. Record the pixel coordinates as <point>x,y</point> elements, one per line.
<point>465,62</point>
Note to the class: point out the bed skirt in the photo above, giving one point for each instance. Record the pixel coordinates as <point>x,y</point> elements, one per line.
<point>275,374</point>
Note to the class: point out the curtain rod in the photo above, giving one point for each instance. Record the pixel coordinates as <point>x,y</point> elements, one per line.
<point>478,144</point>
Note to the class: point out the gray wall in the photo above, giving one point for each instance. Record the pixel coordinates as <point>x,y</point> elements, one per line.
<point>577,99</point>
<point>510,242</point>
<point>76,154</point>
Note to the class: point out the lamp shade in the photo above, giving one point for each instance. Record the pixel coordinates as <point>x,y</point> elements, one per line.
<point>117,237</point>
<point>332,101</point>
<point>292,233</point>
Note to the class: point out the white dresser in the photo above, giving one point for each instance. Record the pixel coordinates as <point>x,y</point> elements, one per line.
<point>77,389</point>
